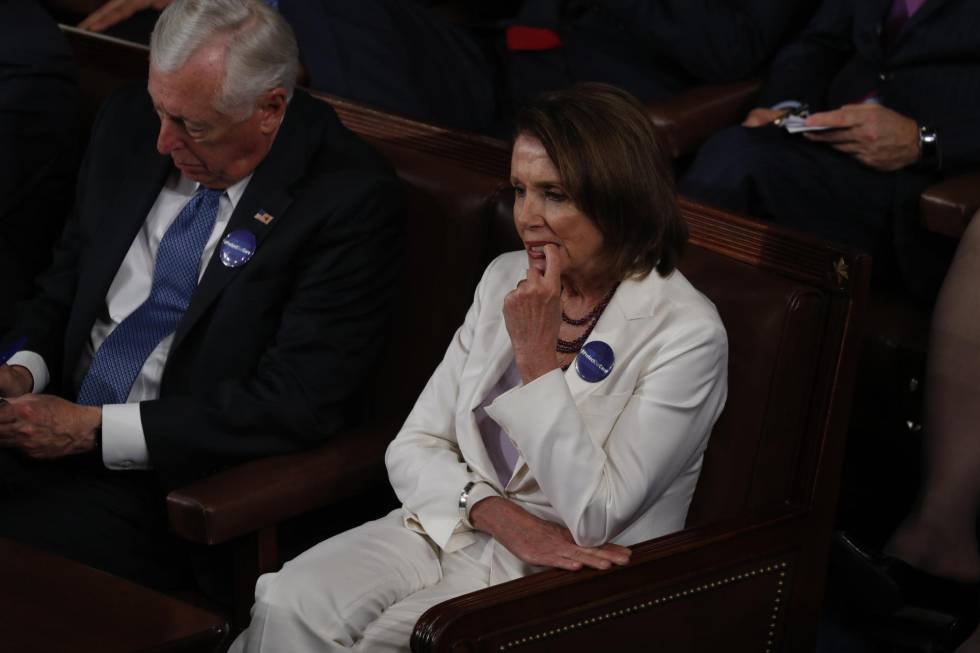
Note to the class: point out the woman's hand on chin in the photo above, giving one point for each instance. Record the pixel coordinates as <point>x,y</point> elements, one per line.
<point>540,542</point>
<point>532,313</point>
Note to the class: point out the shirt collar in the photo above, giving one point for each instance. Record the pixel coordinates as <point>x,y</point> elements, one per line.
<point>233,192</point>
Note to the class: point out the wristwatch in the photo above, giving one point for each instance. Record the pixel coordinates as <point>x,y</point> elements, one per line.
<point>464,498</point>
<point>929,155</point>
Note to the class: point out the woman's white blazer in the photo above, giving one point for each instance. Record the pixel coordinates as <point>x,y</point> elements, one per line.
<point>614,461</point>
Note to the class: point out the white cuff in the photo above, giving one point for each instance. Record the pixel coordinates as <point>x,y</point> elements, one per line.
<point>123,441</point>
<point>787,104</point>
<point>35,365</point>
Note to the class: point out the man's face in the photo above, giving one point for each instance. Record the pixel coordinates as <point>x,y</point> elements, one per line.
<point>206,145</point>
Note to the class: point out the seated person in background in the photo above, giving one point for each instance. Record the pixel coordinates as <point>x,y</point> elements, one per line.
<point>897,82</point>
<point>405,58</point>
<point>40,145</point>
<point>569,416</point>
<point>218,294</point>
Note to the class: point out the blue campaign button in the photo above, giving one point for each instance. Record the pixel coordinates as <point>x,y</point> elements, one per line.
<point>237,248</point>
<point>595,361</point>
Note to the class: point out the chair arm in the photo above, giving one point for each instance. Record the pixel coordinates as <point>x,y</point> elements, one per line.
<point>690,117</point>
<point>947,207</point>
<point>754,583</point>
<point>267,491</point>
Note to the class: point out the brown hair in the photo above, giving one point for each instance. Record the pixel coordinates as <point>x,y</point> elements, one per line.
<point>613,167</point>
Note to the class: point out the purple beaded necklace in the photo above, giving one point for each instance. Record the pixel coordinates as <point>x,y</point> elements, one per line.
<point>592,318</point>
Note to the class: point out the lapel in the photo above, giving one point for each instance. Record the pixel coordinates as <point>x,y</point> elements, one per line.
<point>267,192</point>
<point>123,214</point>
<point>921,15</point>
<point>612,330</point>
<point>498,356</point>
<point>632,300</point>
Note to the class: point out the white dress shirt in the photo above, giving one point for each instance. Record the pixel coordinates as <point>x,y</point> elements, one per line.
<point>123,440</point>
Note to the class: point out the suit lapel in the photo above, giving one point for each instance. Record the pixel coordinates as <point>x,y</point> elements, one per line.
<point>610,329</point>
<point>926,10</point>
<point>631,300</point>
<point>498,356</point>
<point>123,215</point>
<point>267,192</point>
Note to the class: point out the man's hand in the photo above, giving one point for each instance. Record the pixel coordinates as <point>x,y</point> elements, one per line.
<point>15,380</point>
<point>116,11</point>
<point>875,135</point>
<point>540,542</point>
<point>532,314</point>
<point>45,426</point>
<point>761,116</point>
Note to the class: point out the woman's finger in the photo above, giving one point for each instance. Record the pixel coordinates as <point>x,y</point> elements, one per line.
<point>588,558</point>
<point>552,266</point>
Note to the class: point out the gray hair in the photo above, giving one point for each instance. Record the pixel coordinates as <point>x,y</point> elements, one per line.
<point>262,52</point>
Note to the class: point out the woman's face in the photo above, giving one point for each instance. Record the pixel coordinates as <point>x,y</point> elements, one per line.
<point>543,214</point>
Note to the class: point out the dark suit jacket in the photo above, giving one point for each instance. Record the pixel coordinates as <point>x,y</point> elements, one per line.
<point>268,356</point>
<point>931,73</point>
<point>39,145</point>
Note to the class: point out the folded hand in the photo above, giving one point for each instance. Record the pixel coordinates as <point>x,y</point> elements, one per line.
<point>875,135</point>
<point>45,426</point>
<point>540,542</point>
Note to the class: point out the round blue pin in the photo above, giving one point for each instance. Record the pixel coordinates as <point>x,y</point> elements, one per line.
<point>237,248</point>
<point>595,361</point>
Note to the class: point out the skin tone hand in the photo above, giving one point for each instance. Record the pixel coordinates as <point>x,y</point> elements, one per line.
<point>45,426</point>
<point>532,313</point>
<point>116,11</point>
<point>540,542</point>
<point>761,116</point>
<point>875,135</point>
<point>15,380</point>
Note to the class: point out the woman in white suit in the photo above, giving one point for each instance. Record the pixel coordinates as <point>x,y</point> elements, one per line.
<point>569,416</point>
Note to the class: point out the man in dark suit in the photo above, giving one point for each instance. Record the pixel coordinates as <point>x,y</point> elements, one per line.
<point>898,84</point>
<point>39,144</point>
<point>219,294</point>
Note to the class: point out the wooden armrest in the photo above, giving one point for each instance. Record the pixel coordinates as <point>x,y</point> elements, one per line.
<point>948,207</point>
<point>753,582</point>
<point>689,118</point>
<point>264,492</point>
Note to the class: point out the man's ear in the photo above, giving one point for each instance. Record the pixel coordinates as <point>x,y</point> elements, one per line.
<point>272,106</point>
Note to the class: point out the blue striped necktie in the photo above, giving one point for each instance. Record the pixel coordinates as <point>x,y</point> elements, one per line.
<point>121,356</point>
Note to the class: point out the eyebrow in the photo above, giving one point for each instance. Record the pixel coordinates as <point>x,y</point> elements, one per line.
<point>541,184</point>
<point>183,120</point>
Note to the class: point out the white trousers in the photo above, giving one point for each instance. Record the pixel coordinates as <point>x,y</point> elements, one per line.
<point>362,590</point>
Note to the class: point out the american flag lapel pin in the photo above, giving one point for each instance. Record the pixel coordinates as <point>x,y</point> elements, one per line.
<point>264,217</point>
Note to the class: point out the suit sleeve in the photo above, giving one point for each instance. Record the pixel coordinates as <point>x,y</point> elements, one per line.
<point>43,318</point>
<point>425,465</point>
<point>660,432</point>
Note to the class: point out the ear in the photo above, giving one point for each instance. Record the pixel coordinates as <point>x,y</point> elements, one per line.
<point>272,107</point>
